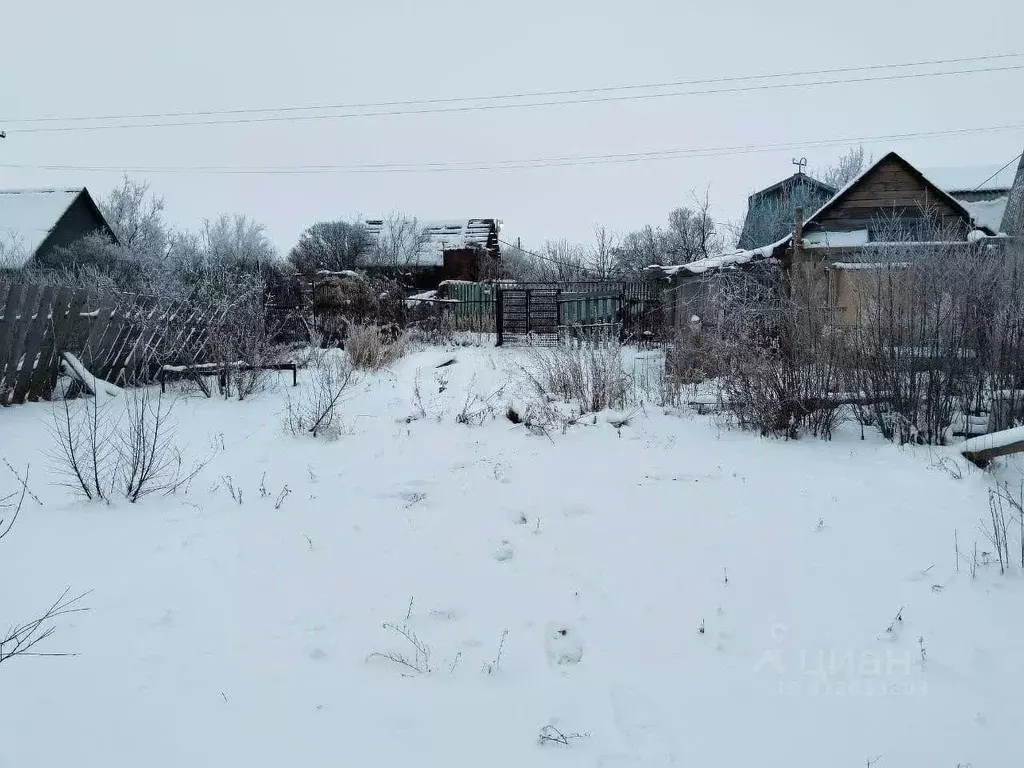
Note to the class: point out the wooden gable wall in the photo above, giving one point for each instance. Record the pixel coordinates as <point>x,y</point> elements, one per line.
<point>891,189</point>
<point>80,219</point>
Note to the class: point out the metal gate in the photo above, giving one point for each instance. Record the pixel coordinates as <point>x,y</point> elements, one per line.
<point>527,316</point>
<point>550,315</point>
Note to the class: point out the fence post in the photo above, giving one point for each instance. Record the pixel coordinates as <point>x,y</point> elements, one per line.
<point>499,316</point>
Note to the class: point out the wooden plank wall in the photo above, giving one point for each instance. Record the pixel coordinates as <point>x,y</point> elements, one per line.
<point>123,340</point>
<point>890,190</point>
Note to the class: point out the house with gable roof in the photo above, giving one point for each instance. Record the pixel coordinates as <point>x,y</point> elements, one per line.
<point>36,222</point>
<point>840,241</point>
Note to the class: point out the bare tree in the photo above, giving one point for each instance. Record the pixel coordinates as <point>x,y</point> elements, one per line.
<point>402,242</point>
<point>562,261</point>
<point>601,257</point>
<point>639,250</point>
<point>844,170</point>
<point>137,217</point>
<point>237,241</point>
<point>692,234</point>
<point>332,246</point>
<point>518,264</point>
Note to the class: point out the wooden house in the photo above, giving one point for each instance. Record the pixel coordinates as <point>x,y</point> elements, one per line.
<point>889,208</point>
<point>36,222</point>
<point>771,211</point>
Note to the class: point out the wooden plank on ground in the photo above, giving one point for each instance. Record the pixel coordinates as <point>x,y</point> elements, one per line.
<point>984,448</point>
<point>33,341</point>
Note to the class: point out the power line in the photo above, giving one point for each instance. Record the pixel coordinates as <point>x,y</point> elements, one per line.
<point>535,255</point>
<point>519,95</point>
<point>500,106</point>
<point>520,164</point>
<point>986,181</point>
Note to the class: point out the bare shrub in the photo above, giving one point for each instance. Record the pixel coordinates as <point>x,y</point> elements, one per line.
<point>477,409</point>
<point>940,329</point>
<point>22,639</point>
<point>420,660</point>
<point>315,410</point>
<point>149,460</point>
<point>1005,508</point>
<point>785,383</point>
<point>346,299</point>
<point>777,367</point>
<point>126,445</point>
<point>589,375</point>
<point>371,347</point>
<point>240,341</point>
<point>86,452</point>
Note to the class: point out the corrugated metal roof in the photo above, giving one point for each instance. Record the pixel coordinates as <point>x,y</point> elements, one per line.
<point>27,216</point>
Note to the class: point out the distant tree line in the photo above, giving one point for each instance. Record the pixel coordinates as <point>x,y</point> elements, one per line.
<point>233,252</point>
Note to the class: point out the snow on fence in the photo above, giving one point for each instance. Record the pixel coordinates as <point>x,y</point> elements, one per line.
<point>117,339</point>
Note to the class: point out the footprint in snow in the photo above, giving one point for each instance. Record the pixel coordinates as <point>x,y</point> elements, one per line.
<point>562,645</point>
<point>502,551</point>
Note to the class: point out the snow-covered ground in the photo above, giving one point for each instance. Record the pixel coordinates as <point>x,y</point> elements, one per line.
<point>664,593</point>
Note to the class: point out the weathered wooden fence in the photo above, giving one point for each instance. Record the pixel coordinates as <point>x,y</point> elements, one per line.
<point>121,338</point>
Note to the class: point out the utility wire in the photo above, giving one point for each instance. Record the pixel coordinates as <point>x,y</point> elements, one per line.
<point>521,164</point>
<point>500,106</point>
<point>519,95</point>
<point>986,181</point>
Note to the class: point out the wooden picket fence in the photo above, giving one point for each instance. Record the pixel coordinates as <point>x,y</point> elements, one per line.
<point>122,338</point>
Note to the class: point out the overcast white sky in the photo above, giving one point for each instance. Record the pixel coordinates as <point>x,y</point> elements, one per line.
<point>124,56</point>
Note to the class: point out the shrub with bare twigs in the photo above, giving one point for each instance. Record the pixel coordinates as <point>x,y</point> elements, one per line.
<point>315,410</point>
<point>589,375</point>
<point>125,444</point>
<point>22,639</point>
<point>373,347</point>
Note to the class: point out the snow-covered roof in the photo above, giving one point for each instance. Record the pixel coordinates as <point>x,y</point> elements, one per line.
<point>27,216</point>
<point>972,178</point>
<point>445,235</point>
<point>729,260</point>
<point>987,213</point>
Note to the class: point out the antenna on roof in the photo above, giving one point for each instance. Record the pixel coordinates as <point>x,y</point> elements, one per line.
<point>800,165</point>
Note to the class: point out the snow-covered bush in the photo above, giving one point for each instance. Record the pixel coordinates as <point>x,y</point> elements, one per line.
<point>588,375</point>
<point>372,347</point>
